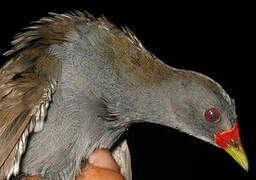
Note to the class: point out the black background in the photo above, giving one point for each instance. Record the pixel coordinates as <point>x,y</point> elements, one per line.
<point>214,39</point>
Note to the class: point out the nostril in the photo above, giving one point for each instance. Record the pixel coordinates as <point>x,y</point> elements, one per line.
<point>235,143</point>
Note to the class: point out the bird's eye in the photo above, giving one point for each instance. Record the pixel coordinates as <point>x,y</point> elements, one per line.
<point>212,115</point>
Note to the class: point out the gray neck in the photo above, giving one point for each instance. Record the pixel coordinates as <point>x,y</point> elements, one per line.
<point>97,78</point>
<point>143,105</point>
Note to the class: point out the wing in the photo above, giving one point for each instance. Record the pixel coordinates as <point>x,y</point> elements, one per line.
<point>24,100</point>
<point>123,158</point>
<point>27,82</point>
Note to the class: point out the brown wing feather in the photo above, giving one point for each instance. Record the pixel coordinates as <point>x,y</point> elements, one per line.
<point>27,82</point>
<point>24,100</point>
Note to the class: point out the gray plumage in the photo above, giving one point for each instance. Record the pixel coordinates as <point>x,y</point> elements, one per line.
<point>106,81</point>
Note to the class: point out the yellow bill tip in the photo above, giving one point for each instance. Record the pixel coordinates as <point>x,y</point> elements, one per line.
<point>239,156</point>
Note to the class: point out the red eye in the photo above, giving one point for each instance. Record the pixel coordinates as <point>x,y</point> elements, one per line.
<point>212,115</point>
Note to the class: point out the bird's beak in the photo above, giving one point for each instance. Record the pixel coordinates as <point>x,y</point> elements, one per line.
<point>231,143</point>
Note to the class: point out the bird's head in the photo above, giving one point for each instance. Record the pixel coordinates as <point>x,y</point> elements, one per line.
<point>200,107</point>
<point>188,101</point>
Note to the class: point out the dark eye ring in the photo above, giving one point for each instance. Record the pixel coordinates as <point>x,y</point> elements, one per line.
<point>212,115</point>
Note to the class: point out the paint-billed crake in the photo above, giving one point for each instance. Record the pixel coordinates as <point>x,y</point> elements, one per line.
<point>76,83</point>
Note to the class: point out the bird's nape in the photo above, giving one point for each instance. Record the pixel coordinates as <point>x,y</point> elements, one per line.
<point>231,143</point>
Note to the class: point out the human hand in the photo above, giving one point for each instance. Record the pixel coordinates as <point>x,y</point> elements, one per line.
<point>101,166</point>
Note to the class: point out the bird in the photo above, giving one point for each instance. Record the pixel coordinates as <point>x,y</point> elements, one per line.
<point>75,82</point>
